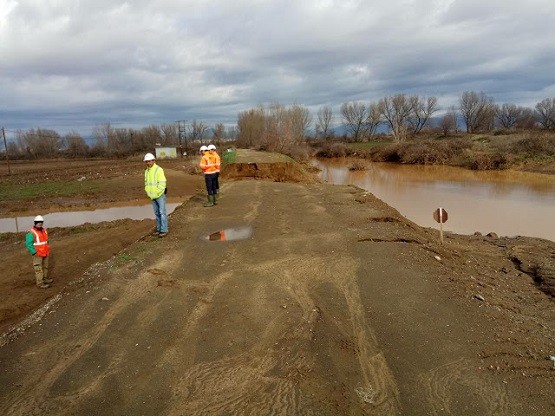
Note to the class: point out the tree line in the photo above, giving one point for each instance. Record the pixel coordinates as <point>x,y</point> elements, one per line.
<point>108,141</point>
<point>281,128</point>
<point>403,116</point>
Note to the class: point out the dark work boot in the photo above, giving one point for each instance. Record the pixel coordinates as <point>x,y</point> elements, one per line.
<point>210,202</point>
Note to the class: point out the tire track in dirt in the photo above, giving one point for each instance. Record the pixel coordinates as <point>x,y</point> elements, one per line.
<point>236,380</point>
<point>36,399</point>
<point>442,384</point>
<point>194,391</point>
<point>376,379</point>
<point>378,386</point>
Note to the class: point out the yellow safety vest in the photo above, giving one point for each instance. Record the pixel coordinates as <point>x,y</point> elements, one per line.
<point>155,181</point>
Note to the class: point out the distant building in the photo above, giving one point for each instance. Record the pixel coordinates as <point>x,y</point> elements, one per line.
<point>166,152</point>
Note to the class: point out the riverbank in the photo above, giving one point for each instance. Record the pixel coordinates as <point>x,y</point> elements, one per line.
<point>336,304</point>
<point>532,151</point>
<point>505,202</point>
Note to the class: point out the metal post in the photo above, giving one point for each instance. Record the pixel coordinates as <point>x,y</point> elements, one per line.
<point>180,132</point>
<point>441,224</point>
<point>179,137</point>
<point>6,147</point>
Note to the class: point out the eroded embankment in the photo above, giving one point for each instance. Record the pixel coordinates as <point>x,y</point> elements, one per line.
<point>276,171</point>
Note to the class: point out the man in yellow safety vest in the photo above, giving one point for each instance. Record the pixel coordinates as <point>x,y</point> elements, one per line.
<point>155,188</point>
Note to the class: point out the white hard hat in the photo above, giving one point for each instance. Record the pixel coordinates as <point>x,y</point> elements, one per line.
<point>38,218</point>
<point>148,156</point>
<point>211,147</point>
<point>203,148</point>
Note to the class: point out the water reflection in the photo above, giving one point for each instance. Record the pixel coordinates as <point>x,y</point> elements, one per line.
<point>72,219</point>
<point>507,203</point>
<point>230,234</point>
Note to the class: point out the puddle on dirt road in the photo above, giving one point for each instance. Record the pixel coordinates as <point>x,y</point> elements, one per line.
<point>75,218</point>
<point>230,234</point>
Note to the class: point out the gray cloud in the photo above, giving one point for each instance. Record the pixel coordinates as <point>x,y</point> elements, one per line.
<point>72,65</point>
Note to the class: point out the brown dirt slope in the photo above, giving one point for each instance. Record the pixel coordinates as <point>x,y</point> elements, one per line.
<point>74,250</point>
<point>336,305</point>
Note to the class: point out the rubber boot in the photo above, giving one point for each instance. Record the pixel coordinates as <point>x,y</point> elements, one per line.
<point>210,202</point>
<point>215,199</point>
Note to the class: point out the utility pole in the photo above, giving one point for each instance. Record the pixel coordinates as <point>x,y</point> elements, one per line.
<point>182,134</point>
<point>6,147</point>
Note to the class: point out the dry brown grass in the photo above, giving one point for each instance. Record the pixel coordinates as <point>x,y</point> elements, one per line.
<point>481,152</point>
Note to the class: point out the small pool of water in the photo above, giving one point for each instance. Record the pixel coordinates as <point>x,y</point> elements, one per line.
<point>75,218</point>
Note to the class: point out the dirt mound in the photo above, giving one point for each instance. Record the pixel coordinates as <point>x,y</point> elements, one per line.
<point>277,172</point>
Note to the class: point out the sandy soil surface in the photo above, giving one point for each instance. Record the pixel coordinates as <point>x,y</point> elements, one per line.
<point>335,305</point>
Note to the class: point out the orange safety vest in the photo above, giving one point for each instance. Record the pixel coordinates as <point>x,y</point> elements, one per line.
<point>209,164</point>
<point>217,159</point>
<point>41,242</point>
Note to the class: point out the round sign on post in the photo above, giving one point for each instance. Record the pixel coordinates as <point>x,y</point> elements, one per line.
<point>440,215</point>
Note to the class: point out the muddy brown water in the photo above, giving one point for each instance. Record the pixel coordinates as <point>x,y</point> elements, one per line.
<point>75,218</point>
<point>509,203</point>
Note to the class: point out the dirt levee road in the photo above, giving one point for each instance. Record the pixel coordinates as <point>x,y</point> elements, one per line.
<point>335,305</point>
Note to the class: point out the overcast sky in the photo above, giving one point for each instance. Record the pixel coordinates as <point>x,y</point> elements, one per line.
<point>71,65</point>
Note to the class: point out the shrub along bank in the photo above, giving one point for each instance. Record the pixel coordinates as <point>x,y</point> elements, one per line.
<point>529,151</point>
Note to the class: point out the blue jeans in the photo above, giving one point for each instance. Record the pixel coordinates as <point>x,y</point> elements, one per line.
<point>159,206</point>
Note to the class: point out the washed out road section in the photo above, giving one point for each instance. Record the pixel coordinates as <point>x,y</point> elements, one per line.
<point>308,316</point>
<point>334,305</point>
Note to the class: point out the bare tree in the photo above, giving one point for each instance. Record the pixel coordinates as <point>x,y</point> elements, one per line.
<point>14,150</point>
<point>299,118</point>
<point>454,114</point>
<point>75,145</point>
<point>169,134</point>
<point>231,132</point>
<point>507,115</point>
<point>355,116</point>
<point>101,133</point>
<point>477,110</point>
<point>250,127</point>
<point>422,111</point>
<point>527,119</point>
<point>447,124</point>
<point>275,135</point>
<point>396,110</point>
<point>40,142</point>
<point>119,142</point>
<point>545,113</point>
<point>149,137</point>
<point>219,132</point>
<point>374,120</point>
<point>324,122</point>
<point>197,131</point>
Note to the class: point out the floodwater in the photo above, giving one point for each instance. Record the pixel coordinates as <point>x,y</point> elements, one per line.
<point>508,203</point>
<point>72,219</point>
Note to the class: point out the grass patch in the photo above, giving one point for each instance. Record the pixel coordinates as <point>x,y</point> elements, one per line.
<point>370,145</point>
<point>125,258</point>
<point>16,192</point>
<point>229,156</point>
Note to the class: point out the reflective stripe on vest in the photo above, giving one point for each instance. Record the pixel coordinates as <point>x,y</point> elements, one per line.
<point>217,159</point>
<point>209,164</point>
<point>153,189</point>
<point>41,246</point>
